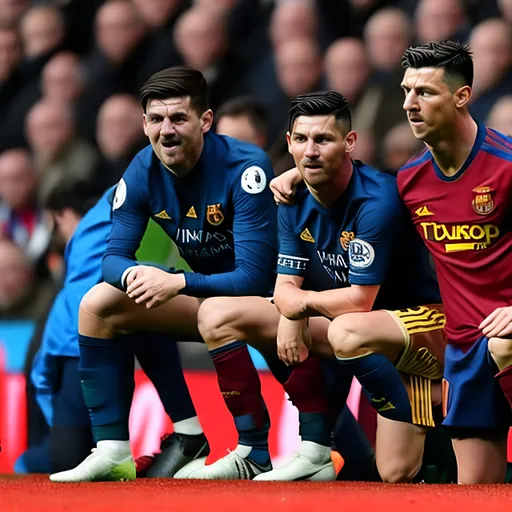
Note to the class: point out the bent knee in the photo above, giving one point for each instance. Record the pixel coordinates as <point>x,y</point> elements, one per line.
<point>398,472</point>
<point>500,347</point>
<point>215,320</point>
<point>344,336</point>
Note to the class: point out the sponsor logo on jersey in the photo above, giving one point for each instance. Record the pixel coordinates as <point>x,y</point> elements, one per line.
<point>214,215</point>
<point>307,236</point>
<point>345,239</point>
<point>254,180</point>
<point>461,237</point>
<point>162,215</point>
<point>423,211</point>
<point>335,265</point>
<point>361,254</point>
<point>483,203</point>
<point>191,214</point>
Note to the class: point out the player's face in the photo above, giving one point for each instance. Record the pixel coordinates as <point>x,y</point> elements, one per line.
<point>430,104</point>
<point>176,132</point>
<point>319,148</point>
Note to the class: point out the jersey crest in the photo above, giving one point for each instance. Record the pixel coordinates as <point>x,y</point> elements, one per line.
<point>214,214</point>
<point>483,203</point>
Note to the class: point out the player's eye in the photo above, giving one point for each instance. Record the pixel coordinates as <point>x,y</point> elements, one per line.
<point>154,119</point>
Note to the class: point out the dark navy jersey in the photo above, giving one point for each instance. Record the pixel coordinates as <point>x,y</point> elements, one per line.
<point>358,240</point>
<point>221,216</point>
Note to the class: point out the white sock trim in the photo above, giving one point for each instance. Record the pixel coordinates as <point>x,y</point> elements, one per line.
<point>190,426</point>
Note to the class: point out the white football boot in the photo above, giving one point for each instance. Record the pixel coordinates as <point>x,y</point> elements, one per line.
<point>312,462</point>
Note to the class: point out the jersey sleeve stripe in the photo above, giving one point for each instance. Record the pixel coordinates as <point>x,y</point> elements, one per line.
<point>500,138</point>
<point>497,151</point>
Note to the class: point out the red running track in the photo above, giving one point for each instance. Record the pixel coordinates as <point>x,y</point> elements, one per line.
<point>37,494</point>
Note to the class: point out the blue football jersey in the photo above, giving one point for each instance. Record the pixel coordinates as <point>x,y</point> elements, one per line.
<point>358,240</point>
<point>221,216</point>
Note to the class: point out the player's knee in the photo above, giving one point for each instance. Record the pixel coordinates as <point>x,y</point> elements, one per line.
<point>398,471</point>
<point>500,349</point>
<point>215,320</point>
<point>97,304</point>
<point>344,336</point>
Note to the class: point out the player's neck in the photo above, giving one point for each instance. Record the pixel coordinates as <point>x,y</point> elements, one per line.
<point>453,148</point>
<point>328,193</point>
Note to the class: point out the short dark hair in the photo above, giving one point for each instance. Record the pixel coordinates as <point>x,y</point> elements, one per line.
<point>175,82</point>
<point>454,57</point>
<point>323,103</point>
<point>78,195</point>
<point>245,106</point>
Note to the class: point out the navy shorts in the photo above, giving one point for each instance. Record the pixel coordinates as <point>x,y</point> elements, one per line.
<point>473,398</point>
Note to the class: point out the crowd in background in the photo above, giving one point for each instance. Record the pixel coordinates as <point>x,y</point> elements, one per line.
<point>71,70</point>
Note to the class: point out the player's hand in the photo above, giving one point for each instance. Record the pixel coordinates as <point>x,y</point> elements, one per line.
<point>152,286</point>
<point>293,341</point>
<point>498,323</point>
<point>283,186</point>
<point>290,301</point>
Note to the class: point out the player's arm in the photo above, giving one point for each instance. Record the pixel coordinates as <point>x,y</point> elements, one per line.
<point>254,234</point>
<point>283,186</point>
<point>378,227</point>
<point>130,216</point>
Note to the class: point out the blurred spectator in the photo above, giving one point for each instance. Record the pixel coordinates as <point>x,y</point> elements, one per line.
<point>387,35</point>
<point>42,30</point>
<point>500,117</point>
<point>115,65</point>
<point>63,79</point>
<point>299,70</point>
<point>491,43</point>
<point>22,296</point>
<point>21,219</point>
<point>293,20</point>
<point>245,119</point>
<point>399,145</point>
<point>10,57</point>
<point>120,136</point>
<point>506,10</point>
<point>437,20</point>
<point>347,69</point>
<point>201,38</point>
<point>364,149</point>
<point>58,152</point>
<point>11,10</point>
<point>160,17</point>
<point>376,108</point>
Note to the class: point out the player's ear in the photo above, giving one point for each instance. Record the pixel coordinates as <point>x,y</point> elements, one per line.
<point>145,124</point>
<point>350,141</point>
<point>206,120</point>
<point>288,140</point>
<point>462,96</point>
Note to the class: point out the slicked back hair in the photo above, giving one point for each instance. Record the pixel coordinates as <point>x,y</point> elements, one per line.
<point>324,103</point>
<point>454,57</point>
<point>176,82</point>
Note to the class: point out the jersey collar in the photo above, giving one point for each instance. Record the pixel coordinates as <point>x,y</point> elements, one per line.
<point>480,136</point>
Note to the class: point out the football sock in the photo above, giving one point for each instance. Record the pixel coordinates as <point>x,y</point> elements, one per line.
<point>240,386</point>
<point>504,379</point>
<point>382,383</point>
<point>306,388</point>
<point>106,372</point>
<point>159,357</point>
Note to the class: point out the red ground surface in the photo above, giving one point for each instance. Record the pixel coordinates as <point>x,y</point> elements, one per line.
<point>36,493</point>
